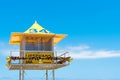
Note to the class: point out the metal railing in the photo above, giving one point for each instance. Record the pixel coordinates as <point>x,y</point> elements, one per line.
<point>59,57</point>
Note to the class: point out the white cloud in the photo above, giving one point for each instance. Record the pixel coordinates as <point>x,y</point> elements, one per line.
<point>95,54</point>
<point>6,48</point>
<point>2,43</point>
<point>77,48</point>
<point>5,52</point>
<point>84,52</point>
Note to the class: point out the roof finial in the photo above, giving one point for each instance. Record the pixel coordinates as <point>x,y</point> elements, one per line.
<point>35,21</point>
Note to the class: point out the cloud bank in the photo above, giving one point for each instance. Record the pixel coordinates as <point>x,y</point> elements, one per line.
<point>84,52</point>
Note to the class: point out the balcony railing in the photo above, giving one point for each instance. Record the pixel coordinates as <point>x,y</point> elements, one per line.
<point>58,57</point>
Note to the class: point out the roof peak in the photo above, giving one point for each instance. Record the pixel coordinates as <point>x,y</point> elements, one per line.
<point>38,29</point>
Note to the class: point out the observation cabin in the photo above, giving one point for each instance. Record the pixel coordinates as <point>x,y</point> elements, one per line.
<point>36,51</point>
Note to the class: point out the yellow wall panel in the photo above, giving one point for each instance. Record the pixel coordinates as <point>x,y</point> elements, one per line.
<point>38,58</point>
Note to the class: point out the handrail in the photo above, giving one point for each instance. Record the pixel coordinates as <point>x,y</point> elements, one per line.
<point>57,59</point>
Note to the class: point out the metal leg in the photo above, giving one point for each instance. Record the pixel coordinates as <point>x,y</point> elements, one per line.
<point>19,74</point>
<point>22,74</point>
<point>53,74</point>
<point>46,74</point>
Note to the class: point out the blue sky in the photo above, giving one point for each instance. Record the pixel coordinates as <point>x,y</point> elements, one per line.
<point>93,34</point>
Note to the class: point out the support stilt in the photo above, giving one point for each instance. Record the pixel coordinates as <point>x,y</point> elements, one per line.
<point>53,74</point>
<point>21,74</point>
<point>46,74</point>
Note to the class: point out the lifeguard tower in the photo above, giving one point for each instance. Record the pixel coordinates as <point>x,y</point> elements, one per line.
<point>36,51</point>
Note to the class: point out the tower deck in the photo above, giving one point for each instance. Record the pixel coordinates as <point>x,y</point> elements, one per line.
<point>36,66</point>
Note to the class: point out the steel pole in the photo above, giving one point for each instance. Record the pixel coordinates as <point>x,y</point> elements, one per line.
<point>46,74</point>
<point>22,74</point>
<point>53,74</point>
<point>19,74</point>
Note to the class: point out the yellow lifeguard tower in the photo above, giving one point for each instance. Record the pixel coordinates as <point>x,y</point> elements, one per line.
<point>36,51</point>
